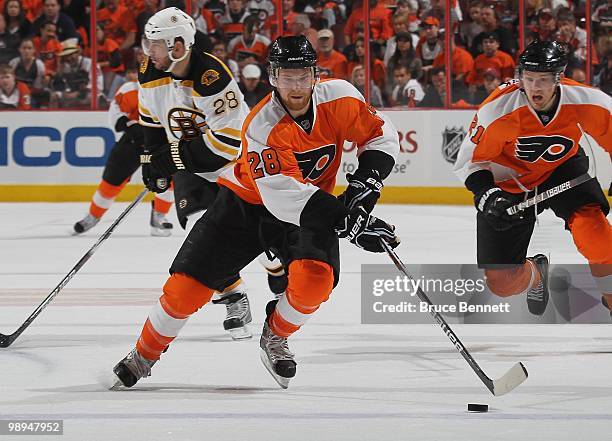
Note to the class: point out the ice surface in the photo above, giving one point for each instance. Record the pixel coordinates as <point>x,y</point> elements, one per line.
<point>354,382</point>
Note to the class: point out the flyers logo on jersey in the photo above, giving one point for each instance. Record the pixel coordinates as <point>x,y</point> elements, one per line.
<point>313,163</point>
<point>549,148</point>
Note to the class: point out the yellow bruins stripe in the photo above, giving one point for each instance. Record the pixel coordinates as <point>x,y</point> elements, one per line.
<point>157,83</point>
<point>221,147</point>
<point>148,124</point>
<point>229,131</point>
<point>222,64</point>
<point>142,109</point>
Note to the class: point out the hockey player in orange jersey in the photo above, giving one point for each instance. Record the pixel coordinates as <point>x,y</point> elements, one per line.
<point>123,161</point>
<point>524,140</point>
<point>278,197</point>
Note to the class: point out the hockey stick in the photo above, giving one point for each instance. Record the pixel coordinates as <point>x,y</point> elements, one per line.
<point>511,379</point>
<point>7,340</point>
<point>548,194</point>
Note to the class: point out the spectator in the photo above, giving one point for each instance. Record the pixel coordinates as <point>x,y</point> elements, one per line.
<point>250,40</point>
<point>288,14</point>
<point>232,22</point>
<point>15,18</point>
<point>205,20</point>
<point>472,27</point>
<point>377,67</point>
<point>219,50</point>
<point>244,57</point>
<point>430,45</point>
<point>488,20</point>
<point>491,58</point>
<point>575,38</point>
<point>65,27</point>
<point>301,26</point>
<point>406,90</point>
<point>400,26</point>
<point>349,50</point>
<point>331,63</point>
<point>109,60</point>
<point>491,80</point>
<point>13,94</point>
<point>435,93</point>
<point>32,8</point>
<point>48,47</point>
<point>118,24</point>
<point>547,25</point>
<point>78,11</point>
<point>27,68</point>
<point>358,79</point>
<point>405,55</point>
<point>462,62</point>
<point>72,82</point>
<point>8,43</point>
<point>380,23</point>
<point>150,8</point>
<point>251,86</point>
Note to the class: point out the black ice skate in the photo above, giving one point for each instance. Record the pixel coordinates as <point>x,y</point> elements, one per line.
<point>131,369</point>
<point>277,284</point>
<point>275,354</point>
<point>160,227</point>
<point>537,297</point>
<point>85,224</point>
<point>238,315</point>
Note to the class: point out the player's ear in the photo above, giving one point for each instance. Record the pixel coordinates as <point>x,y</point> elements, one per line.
<point>179,49</point>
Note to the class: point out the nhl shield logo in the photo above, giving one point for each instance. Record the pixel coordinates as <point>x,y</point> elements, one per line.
<point>451,141</point>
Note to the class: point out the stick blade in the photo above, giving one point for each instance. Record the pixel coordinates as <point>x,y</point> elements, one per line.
<point>511,379</point>
<point>5,341</point>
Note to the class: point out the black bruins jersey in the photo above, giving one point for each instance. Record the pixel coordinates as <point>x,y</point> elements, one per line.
<point>207,104</point>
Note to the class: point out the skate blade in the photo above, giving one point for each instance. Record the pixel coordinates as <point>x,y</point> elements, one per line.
<point>118,385</point>
<point>161,232</point>
<point>242,333</point>
<point>282,381</point>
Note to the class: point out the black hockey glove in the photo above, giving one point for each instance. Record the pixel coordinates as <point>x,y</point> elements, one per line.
<point>135,134</point>
<point>154,180</point>
<point>366,231</point>
<point>493,204</point>
<point>363,189</point>
<point>171,158</point>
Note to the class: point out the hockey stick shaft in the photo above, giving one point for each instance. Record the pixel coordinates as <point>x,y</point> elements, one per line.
<point>7,340</point>
<point>441,322</point>
<point>548,194</point>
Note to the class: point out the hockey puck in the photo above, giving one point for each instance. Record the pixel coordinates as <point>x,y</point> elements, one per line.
<point>472,407</point>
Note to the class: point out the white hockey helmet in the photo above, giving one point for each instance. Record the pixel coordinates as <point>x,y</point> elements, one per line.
<point>167,25</point>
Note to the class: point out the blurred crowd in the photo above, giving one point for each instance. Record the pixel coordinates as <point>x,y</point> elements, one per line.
<point>46,59</point>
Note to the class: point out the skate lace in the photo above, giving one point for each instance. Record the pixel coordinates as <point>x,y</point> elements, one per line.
<point>238,309</point>
<point>536,293</point>
<point>158,219</point>
<point>138,365</point>
<point>278,348</point>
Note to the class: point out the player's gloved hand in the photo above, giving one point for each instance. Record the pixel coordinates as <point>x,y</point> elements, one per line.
<point>363,189</point>
<point>171,158</point>
<point>366,231</point>
<point>493,204</point>
<point>152,178</point>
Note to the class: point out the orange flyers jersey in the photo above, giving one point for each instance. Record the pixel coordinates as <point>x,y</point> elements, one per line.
<point>125,103</point>
<point>282,165</point>
<point>507,137</point>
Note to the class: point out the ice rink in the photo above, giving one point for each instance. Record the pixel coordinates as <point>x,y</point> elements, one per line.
<point>354,381</point>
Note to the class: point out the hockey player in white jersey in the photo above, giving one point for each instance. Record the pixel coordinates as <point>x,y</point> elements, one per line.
<point>189,102</point>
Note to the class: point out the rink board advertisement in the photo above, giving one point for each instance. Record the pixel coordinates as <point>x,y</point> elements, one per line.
<point>460,294</point>
<point>43,151</point>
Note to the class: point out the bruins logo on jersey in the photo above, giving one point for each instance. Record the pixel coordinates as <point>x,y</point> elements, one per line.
<point>186,123</point>
<point>210,76</point>
<point>144,64</point>
<point>549,148</point>
<point>313,163</point>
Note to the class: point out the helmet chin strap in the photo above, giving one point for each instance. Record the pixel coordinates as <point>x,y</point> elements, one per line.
<point>176,60</point>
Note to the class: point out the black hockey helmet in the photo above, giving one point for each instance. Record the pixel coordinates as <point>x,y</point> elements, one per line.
<point>292,52</point>
<point>543,56</point>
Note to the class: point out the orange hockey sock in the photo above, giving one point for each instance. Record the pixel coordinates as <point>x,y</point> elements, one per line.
<point>104,197</point>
